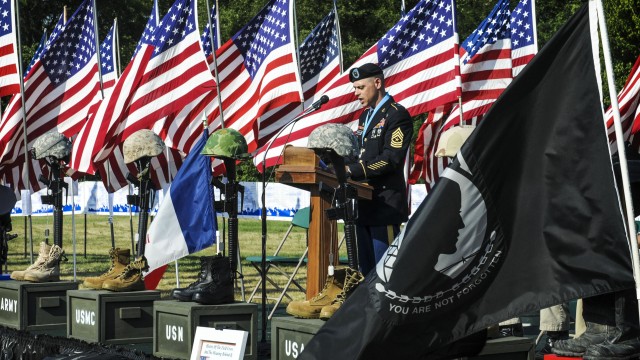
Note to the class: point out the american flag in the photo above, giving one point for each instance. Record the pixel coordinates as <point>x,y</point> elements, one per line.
<point>109,57</point>
<point>182,129</point>
<point>628,101</point>
<point>36,54</point>
<point>320,63</point>
<point>420,62</point>
<point>524,38</point>
<point>258,70</point>
<point>486,71</point>
<point>485,65</point>
<point>167,73</point>
<point>13,172</point>
<point>425,164</point>
<point>9,77</point>
<point>59,88</point>
<point>206,36</point>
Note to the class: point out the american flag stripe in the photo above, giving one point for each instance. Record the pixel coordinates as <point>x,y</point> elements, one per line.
<point>94,135</point>
<point>628,101</point>
<point>9,77</point>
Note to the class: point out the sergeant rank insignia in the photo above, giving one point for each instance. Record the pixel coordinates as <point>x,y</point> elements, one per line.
<point>396,138</point>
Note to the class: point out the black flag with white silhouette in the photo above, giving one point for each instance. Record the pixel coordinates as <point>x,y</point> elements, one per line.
<point>527,216</point>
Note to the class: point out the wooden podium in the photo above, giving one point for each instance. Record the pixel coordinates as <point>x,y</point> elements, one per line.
<point>301,169</point>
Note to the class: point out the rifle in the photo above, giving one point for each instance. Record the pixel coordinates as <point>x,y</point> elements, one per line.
<point>230,206</point>
<point>142,200</point>
<point>55,185</point>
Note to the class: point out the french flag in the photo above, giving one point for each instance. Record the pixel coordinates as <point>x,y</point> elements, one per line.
<point>186,220</point>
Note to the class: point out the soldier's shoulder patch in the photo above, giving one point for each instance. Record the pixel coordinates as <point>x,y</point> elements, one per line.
<point>397,138</point>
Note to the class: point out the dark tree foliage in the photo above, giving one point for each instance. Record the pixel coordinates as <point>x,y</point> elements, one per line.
<point>362,23</point>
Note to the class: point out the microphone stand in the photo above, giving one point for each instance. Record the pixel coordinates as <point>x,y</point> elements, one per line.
<point>263,215</point>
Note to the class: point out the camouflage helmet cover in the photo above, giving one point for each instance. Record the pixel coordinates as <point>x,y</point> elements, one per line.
<point>140,144</point>
<point>338,137</point>
<point>226,143</point>
<point>51,144</point>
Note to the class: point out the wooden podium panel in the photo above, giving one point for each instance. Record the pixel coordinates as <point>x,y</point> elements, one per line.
<point>301,169</point>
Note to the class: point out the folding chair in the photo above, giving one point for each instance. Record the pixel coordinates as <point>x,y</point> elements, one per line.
<point>276,262</point>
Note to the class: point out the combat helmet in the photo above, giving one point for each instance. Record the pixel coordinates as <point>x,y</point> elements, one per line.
<point>227,143</point>
<point>142,143</point>
<point>337,137</point>
<point>51,144</point>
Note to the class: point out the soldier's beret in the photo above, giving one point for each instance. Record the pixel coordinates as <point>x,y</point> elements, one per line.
<point>364,71</point>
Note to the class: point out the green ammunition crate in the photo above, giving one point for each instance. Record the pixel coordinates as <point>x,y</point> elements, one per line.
<point>115,318</point>
<point>289,336</point>
<point>175,322</point>
<point>35,307</point>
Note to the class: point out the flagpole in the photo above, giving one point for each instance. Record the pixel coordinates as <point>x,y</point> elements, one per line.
<point>97,42</point>
<point>215,60</point>
<point>25,171</point>
<point>109,185</point>
<point>624,171</point>
<point>335,8</point>
<point>457,56</point>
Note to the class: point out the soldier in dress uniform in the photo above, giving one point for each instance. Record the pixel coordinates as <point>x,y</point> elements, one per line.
<point>384,131</point>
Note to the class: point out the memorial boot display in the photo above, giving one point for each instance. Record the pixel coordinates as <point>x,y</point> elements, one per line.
<point>130,279</point>
<point>119,260</point>
<point>217,288</point>
<point>49,270</point>
<point>186,294</point>
<point>351,282</point>
<point>42,254</point>
<point>310,309</point>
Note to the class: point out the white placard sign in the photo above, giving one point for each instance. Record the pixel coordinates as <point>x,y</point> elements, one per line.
<point>213,344</point>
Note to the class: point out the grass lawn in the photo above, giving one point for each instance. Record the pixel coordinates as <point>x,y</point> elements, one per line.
<point>92,256</point>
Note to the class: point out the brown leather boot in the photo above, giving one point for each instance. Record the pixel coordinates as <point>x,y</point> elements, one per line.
<point>130,279</point>
<point>49,270</point>
<point>119,260</point>
<point>44,252</point>
<point>310,309</point>
<point>351,282</point>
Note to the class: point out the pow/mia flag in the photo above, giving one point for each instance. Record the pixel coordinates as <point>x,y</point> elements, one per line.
<point>526,217</point>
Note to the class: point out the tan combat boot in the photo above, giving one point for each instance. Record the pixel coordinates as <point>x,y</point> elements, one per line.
<point>44,251</point>
<point>49,270</point>
<point>310,309</point>
<point>119,260</point>
<point>351,282</point>
<point>130,279</point>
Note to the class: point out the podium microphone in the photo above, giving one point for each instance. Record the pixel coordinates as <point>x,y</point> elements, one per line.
<point>316,105</point>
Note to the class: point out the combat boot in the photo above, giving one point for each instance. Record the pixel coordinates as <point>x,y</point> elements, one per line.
<point>49,270</point>
<point>595,334</point>
<point>119,260</point>
<point>628,349</point>
<point>351,282</point>
<point>44,252</point>
<point>217,288</point>
<point>130,279</point>
<point>310,309</point>
<point>205,277</point>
